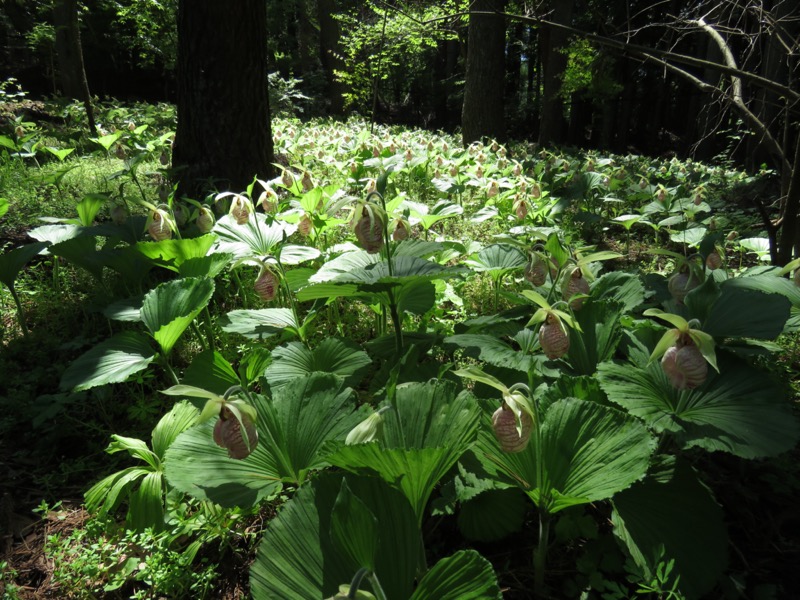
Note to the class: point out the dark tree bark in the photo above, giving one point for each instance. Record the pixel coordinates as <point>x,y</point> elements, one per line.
<point>224,137</point>
<point>554,62</point>
<point>482,113</point>
<point>305,40</point>
<point>330,55</point>
<point>71,71</point>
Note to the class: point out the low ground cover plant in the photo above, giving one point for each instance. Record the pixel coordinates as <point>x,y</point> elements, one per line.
<point>395,357</point>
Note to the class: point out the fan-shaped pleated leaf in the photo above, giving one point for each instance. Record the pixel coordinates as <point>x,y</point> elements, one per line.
<point>672,512</point>
<point>498,259</point>
<point>428,430</point>
<point>82,252</point>
<point>588,452</point>
<point>255,239</point>
<point>741,410</point>
<point>111,361</point>
<point>169,309</point>
<point>258,323</point>
<point>617,286</point>
<point>331,355</point>
<point>182,416</point>
<point>298,560</point>
<point>493,514</point>
<point>210,371</point>
<point>205,266</point>
<point>293,427</point>
<point>128,309</point>
<point>172,253</point>
<point>599,335</point>
<point>493,351</point>
<point>466,575</point>
<point>734,314</point>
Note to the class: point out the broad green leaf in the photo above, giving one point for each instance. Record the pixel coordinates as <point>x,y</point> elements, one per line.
<point>621,287</point>
<point>297,559</point>
<point>754,307</point>
<point>498,259</point>
<point>466,575</point>
<point>146,504</point>
<point>691,237</point>
<point>588,452</point>
<point>740,410</point>
<point>111,361</point>
<point>82,252</point>
<point>258,323</point>
<point>331,355</point>
<point>3,207</point>
<point>423,437</point>
<point>257,239</point>
<point>293,427</point>
<point>171,254</point>
<point>493,351</point>
<point>354,529</point>
<point>182,416</point>
<point>106,495</point>
<point>12,262</point>
<point>205,266</point>
<point>135,447</point>
<point>89,206</point>
<point>128,309</point>
<point>672,511</point>
<point>106,141</point>
<point>59,153</point>
<point>55,233</point>
<point>417,297</point>
<point>210,371</point>
<point>600,333</point>
<point>168,309</point>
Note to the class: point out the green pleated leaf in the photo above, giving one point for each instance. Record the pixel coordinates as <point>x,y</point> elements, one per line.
<point>55,233</point>
<point>292,427</point>
<point>205,266</point>
<point>182,416</point>
<point>169,309</point>
<point>256,239</point>
<point>354,529</point>
<point>210,371</point>
<point>617,286</point>
<point>111,361</point>
<point>172,253</point>
<point>498,259</point>
<point>466,575</point>
<point>82,252</point>
<point>673,516</point>
<point>750,307</point>
<point>600,333</point>
<point>416,297</point>
<point>258,323</point>
<point>146,504</point>
<point>128,309</point>
<point>740,410</point>
<point>493,350</point>
<point>588,452</point>
<point>426,433</point>
<point>331,355</point>
<point>106,495</point>
<point>298,560</point>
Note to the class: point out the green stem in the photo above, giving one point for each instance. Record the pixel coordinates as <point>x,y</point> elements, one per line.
<point>170,370</point>
<point>376,586</point>
<point>207,325</point>
<point>540,554</point>
<point>20,313</point>
<point>196,331</point>
<point>398,326</point>
<point>356,582</point>
<point>240,288</point>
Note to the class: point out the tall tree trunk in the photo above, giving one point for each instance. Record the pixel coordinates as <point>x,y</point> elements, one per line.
<point>305,40</point>
<point>554,62</point>
<point>329,54</point>
<point>71,70</point>
<point>482,113</point>
<point>224,136</point>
